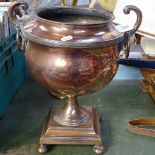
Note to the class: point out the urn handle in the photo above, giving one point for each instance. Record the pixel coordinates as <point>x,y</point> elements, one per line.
<point>127,10</point>
<point>131,32</point>
<point>17,14</point>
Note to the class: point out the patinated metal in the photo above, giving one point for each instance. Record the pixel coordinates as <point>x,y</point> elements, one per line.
<point>85,134</point>
<point>72,52</point>
<point>140,126</point>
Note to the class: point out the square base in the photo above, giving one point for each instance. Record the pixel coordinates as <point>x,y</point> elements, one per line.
<point>88,133</point>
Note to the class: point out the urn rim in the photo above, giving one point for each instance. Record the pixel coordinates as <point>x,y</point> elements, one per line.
<point>104,16</point>
<point>100,33</point>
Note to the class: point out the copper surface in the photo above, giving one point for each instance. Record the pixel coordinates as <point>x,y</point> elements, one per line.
<point>71,73</point>
<point>88,133</point>
<point>72,52</point>
<point>140,126</point>
<point>71,114</point>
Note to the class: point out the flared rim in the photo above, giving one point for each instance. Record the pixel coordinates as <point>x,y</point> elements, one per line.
<point>49,15</point>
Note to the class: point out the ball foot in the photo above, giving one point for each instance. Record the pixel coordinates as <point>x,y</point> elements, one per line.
<point>98,149</point>
<point>42,148</point>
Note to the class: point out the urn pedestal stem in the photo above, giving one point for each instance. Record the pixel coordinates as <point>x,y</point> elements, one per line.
<point>71,114</point>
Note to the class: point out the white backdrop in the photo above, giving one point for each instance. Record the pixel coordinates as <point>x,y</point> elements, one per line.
<point>44,3</point>
<point>50,3</point>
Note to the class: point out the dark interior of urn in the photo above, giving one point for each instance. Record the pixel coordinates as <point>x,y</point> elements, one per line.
<point>75,15</point>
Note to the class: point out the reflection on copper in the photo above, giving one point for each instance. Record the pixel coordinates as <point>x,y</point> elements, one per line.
<point>59,28</point>
<point>43,28</point>
<point>100,33</point>
<point>60,62</point>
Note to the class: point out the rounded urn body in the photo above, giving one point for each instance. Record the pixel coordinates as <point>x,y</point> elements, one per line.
<point>70,71</point>
<point>72,52</point>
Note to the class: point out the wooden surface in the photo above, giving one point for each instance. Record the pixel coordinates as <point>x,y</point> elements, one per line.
<point>153,88</point>
<point>148,74</point>
<point>137,52</point>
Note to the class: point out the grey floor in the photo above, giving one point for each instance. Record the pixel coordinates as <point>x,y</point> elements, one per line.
<point>120,101</point>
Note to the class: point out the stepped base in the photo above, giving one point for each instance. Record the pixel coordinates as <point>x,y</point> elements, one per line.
<point>85,134</point>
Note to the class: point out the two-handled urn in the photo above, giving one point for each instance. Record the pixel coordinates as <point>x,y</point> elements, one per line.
<point>72,52</point>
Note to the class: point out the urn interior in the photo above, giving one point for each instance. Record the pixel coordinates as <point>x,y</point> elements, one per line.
<point>76,16</point>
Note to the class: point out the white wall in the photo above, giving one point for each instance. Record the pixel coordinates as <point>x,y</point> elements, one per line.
<point>50,3</point>
<point>55,2</point>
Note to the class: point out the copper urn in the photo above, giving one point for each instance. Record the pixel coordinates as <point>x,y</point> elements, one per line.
<point>72,52</point>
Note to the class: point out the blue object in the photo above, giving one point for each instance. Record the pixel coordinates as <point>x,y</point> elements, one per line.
<point>140,63</point>
<point>12,71</point>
